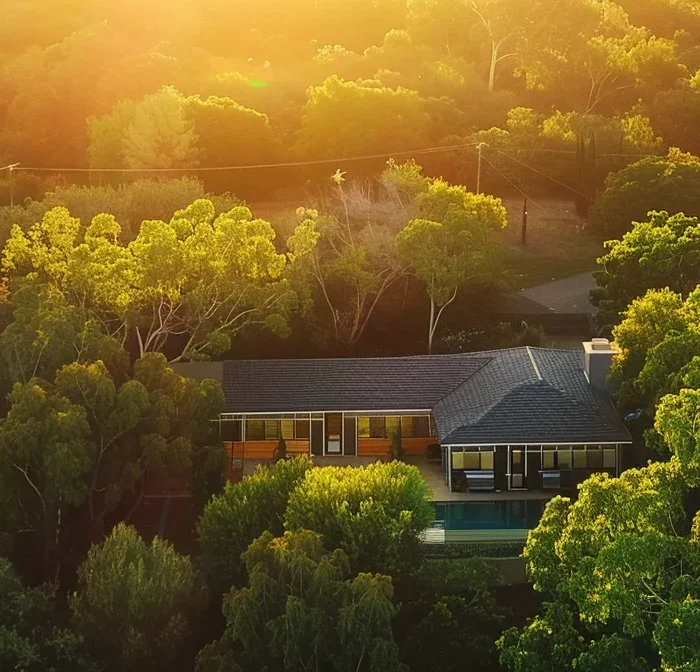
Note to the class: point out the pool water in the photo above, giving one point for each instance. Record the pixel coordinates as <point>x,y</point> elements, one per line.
<point>511,514</point>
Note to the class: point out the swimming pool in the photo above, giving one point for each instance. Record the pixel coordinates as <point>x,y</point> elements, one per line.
<point>510,514</point>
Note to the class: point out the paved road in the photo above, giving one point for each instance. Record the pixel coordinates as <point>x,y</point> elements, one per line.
<point>570,295</point>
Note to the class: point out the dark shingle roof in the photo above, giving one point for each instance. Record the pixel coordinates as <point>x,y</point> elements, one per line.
<point>370,384</point>
<point>521,395</point>
<point>529,395</point>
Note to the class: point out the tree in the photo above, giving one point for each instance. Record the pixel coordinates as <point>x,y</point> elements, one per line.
<point>373,513</point>
<point>133,600</point>
<point>354,118</point>
<point>81,444</point>
<point>551,642</point>
<point>624,559</point>
<point>439,602</point>
<point>451,243</point>
<point>655,183</point>
<point>198,279</point>
<point>160,136</point>
<point>229,133</point>
<point>502,20</point>
<point>304,610</point>
<point>45,457</point>
<point>240,514</point>
<point>155,422</point>
<point>660,252</point>
<point>658,337</point>
<point>31,636</point>
<point>353,260</point>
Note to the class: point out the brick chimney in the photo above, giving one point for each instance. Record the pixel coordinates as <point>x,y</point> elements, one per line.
<point>599,354</point>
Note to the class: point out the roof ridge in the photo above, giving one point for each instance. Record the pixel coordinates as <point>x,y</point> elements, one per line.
<point>457,355</point>
<point>458,385</point>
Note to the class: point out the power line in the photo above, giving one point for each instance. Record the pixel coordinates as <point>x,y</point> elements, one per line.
<point>515,186</point>
<point>549,177</point>
<point>289,164</point>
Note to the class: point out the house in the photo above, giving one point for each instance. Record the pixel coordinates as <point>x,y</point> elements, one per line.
<point>522,418</point>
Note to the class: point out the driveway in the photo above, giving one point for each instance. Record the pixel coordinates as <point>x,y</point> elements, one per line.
<point>570,295</point>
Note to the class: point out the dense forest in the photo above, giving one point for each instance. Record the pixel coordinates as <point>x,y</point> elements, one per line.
<point>572,87</point>
<point>203,179</point>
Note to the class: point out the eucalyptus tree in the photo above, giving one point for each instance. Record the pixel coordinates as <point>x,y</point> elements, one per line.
<point>451,242</point>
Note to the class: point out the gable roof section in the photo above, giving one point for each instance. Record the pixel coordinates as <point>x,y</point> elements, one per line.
<point>529,395</point>
<point>351,384</point>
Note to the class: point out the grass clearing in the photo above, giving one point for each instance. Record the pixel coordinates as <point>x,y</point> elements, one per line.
<point>558,244</point>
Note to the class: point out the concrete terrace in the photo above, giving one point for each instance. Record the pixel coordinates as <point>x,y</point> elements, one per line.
<point>432,472</point>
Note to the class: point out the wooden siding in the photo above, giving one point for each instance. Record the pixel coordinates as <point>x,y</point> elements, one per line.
<point>417,446</point>
<point>379,447</point>
<point>263,450</point>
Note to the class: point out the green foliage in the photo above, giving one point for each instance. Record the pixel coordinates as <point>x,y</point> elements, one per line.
<point>88,439</point>
<point>354,118</point>
<point>229,133</point>
<point>133,600</point>
<point>160,135</point>
<point>656,183</point>
<point>624,560</point>
<point>451,243</point>
<point>659,339</point>
<point>657,253</point>
<point>232,520</point>
<point>31,638</point>
<point>374,513</point>
<point>199,276</point>
<point>348,257</point>
<point>302,609</point>
<point>130,203</point>
<point>439,603</point>
<point>46,459</point>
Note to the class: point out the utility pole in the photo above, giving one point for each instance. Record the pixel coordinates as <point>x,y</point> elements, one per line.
<point>11,167</point>
<point>479,147</point>
<point>523,238</point>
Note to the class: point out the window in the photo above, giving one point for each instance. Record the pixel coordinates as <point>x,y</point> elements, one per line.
<point>302,429</point>
<point>363,428</point>
<point>487,460</point>
<point>272,430</point>
<point>458,460</point>
<point>287,427</point>
<point>548,459</point>
<point>255,430</point>
<point>580,458</point>
<point>415,426</point>
<point>231,430</point>
<point>472,460</point>
<point>564,458</point>
<point>609,458</point>
<point>377,427</point>
<point>595,458</point>
<point>392,426</point>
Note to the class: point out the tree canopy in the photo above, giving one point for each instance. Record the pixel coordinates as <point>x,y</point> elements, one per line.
<point>185,287</point>
<point>133,600</point>
<point>452,241</point>
<point>304,610</point>
<point>659,252</point>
